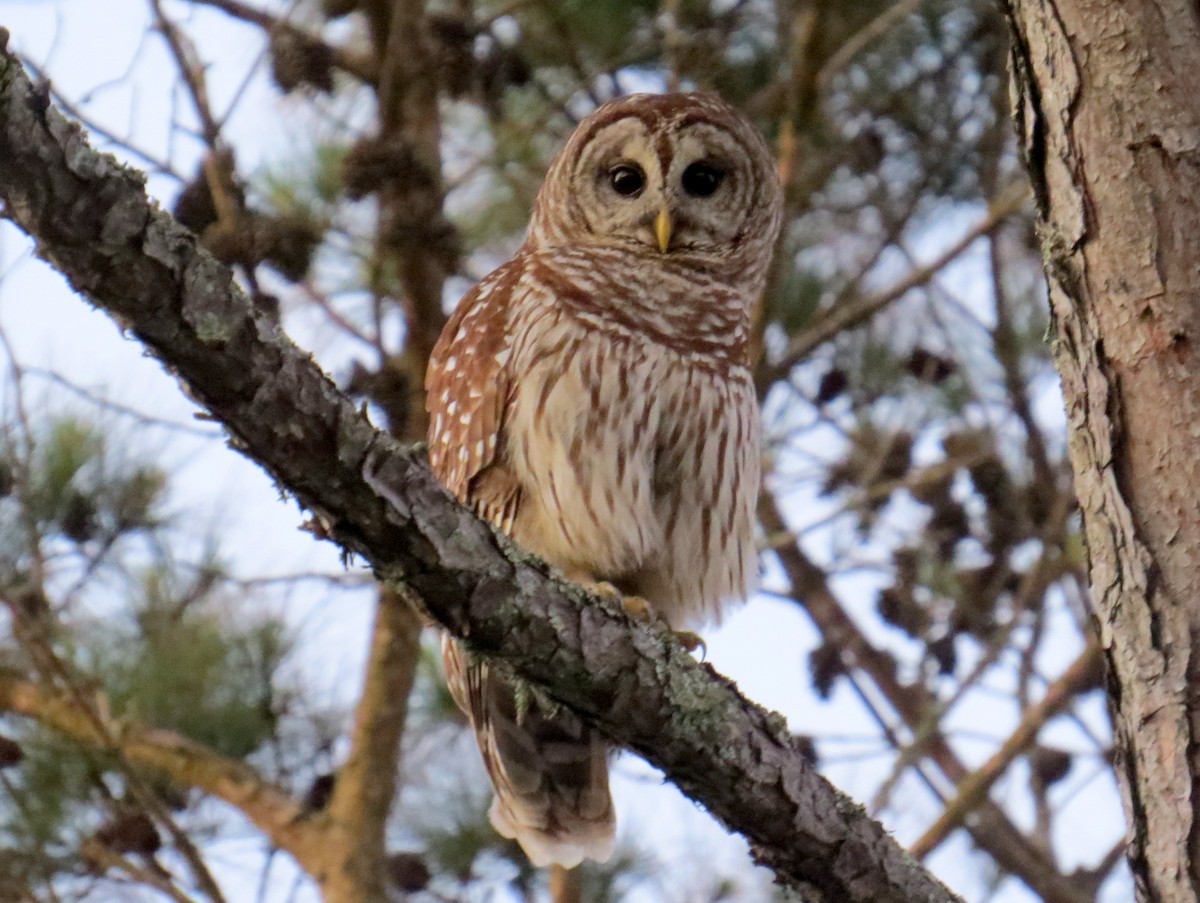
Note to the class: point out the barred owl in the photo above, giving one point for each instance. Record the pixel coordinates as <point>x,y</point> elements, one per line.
<point>592,399</point>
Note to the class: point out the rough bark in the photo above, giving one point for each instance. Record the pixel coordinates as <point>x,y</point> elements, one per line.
<point>1108,110</point>
<point>92,221</point>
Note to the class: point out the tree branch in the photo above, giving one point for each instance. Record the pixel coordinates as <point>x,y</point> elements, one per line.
<point>991,829</point>
<point>408,116</point>
<point>366,783</point>
<point>834,322</point>
<point>98,854</point>
<point>975,788</point>
<point>359,65</point>
<point>187,763</point>
<point>92,221</point>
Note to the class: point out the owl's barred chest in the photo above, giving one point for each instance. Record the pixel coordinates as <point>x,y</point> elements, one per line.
<point>638,465</point>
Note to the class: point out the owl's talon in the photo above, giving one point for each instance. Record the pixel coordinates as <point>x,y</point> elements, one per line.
<point>691,642</point>
<point>641,611</point>
<point>637,608</point>
<point>603,588</point>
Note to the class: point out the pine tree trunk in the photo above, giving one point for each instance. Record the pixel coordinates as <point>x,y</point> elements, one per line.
<point>1108,111</point>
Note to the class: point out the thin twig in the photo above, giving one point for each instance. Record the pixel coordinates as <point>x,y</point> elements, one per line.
<point>358,65</point>
<point>973,790</point>
<point>102,856</point>
<point>865,37</point>
<point>95,398</point>
<point>155,164</point>
<point>192,71</point>
<point>849,315</point>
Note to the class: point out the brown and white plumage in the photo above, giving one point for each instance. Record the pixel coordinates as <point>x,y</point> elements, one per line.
<point>592,398</point>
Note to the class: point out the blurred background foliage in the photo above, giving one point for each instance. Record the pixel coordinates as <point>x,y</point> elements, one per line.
<point>917,501</point>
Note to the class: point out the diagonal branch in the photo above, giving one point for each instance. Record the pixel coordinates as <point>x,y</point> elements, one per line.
<point>357,64</point>
<point>92,221</point>
<point>991,829</point>
<point>974,789</point>
<point>187,763</point>
<point>98,854</point>
<point>847,316</point>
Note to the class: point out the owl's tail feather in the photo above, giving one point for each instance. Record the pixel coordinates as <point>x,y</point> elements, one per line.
<point>549,769</point>
<point>551,779</point>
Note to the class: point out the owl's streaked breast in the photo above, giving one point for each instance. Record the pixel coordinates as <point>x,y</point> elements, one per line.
<point>638,462</point>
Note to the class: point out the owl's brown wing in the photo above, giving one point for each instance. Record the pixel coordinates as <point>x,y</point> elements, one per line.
<point>466,388</point>
<point>549,770</point>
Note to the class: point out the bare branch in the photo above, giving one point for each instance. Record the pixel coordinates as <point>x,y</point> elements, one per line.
<point>847,316</point>
<point>359,65</point>
<point>97,853</point>
<point>993,831</point>
<point>192,71</point>
<point>366,784</point>
<point>973,790</point>
<point>865,37</point>
<point>187,763</point>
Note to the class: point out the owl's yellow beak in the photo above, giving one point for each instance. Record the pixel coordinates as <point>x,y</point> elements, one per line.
<point>662,229</point>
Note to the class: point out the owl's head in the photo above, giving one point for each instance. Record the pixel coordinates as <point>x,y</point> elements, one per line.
<point>664,174</point>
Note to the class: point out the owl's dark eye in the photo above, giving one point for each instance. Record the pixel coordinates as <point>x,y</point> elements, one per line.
<point>701,180</point>
<point>627,179</point>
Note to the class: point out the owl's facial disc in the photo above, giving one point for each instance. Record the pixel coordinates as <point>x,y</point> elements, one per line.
<point>678,188</point>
